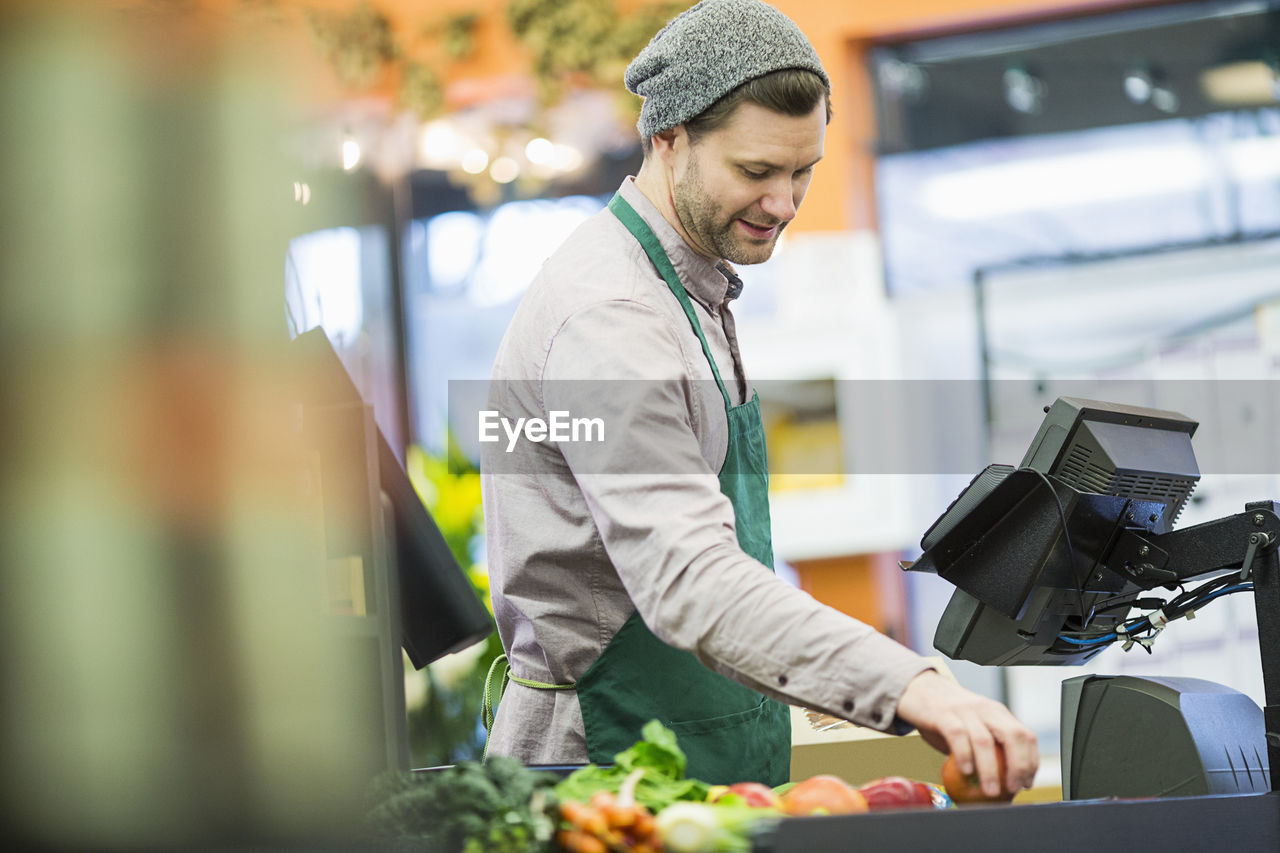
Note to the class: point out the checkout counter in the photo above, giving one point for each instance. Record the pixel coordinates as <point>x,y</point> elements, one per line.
<point>1054,560</point>
<point>1200,739</point>
<point>1243,822</point>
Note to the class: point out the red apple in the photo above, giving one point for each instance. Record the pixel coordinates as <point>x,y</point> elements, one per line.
<point>755,794</point>
<point>896,792</point>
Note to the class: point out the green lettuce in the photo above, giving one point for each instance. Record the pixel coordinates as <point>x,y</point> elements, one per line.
<point>662,782</point>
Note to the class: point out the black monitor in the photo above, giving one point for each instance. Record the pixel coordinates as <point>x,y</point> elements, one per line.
<point>1033,550</point>
<point>439,611</point>
<point>1155,736</point>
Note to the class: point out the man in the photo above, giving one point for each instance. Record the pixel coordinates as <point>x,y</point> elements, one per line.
<point>632,580</point>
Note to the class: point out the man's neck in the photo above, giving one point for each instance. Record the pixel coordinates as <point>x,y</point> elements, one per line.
<point>655,183</point>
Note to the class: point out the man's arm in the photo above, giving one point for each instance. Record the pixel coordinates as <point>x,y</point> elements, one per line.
<point>669,532</point>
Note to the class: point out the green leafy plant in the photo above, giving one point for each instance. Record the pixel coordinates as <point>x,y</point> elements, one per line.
<point>661,782</point>
<point>444,699</point>
<point>458,34</point>
<point>587,41</point>
<point>493,807</point>
<point>570,43</point>
<point>358,44</point>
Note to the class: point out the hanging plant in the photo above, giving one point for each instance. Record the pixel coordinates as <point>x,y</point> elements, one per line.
<point>571,43</point>
<point>458,35</point>
<point>358,44</point>
<point>583,40</point>
<point>420,90</point>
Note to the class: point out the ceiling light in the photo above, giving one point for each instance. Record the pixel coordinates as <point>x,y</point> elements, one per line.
<point>902,79</point>
<point>1093,178</point>
<point>504,170</point>
<point>1165,100</point>
<point>1138,85</point>
<point>567,158</point>
<point>350,154</point>
<point>1068,180</point>
<point>475,161</point>
<point>539,151</point>
<point>439,145</point>
<point>1242,84</point>
<point>1023,91</point>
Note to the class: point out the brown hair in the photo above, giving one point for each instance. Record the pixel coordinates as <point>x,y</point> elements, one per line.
<point>790,91</point>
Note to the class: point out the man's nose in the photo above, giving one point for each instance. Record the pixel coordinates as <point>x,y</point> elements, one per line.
<point>779,202</point>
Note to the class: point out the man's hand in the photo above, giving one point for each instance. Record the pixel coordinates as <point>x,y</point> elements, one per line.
<point>968,726</point>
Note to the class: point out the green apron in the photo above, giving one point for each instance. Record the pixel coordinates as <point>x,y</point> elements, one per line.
<point>729,732</point>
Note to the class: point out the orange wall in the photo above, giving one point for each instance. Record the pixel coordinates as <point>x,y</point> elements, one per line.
<point>868,587</point>
<point>842,195</point>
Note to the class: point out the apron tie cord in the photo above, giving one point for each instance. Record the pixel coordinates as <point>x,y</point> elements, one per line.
<point>495,684</point>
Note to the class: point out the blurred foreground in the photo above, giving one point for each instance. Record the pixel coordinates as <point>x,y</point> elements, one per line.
<point>168,674</point>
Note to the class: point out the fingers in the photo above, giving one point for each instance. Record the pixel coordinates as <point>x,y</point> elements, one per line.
<point>999,729</point>
<point>1022,755</point>
<point>972,728</point>
<point>985,762</point>
<point>956,742</point>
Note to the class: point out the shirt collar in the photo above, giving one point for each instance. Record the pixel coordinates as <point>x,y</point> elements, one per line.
<point>702,277</point>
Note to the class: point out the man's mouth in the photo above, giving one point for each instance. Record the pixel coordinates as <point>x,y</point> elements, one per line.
<point>760,232</point>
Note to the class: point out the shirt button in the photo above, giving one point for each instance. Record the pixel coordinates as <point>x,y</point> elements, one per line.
<point>782,681</point>
<point>848,706</point>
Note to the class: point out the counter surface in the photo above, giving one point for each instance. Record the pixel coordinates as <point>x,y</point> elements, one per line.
<point>1234,823</point>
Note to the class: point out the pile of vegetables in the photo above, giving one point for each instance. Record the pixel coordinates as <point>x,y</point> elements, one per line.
<point>642,803</point>
<point>674,812</point>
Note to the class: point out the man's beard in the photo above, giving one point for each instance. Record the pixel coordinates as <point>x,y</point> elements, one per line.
<point>700,216</point>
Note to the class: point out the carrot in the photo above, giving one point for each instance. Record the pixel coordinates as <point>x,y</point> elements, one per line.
<point>644,823</point>
<point>600,799</point>
<point>621,816</point>
<point>577,841</point>
<point>584,818</point>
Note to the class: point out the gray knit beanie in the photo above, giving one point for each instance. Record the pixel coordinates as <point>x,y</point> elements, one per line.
<point>706,52</point>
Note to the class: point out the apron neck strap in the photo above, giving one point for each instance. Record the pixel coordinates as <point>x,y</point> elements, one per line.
<point>653,248</point>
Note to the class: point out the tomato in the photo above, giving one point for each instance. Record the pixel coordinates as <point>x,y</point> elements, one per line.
<point>896,792</point>
<point>965,788</point>
<point>823,795</point>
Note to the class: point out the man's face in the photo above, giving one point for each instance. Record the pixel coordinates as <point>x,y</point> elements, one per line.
<point>737,187</point>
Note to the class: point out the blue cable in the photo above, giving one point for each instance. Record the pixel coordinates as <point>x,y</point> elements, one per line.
<point>1112,637</point>
<point>1106,638</point>
<point>1227,590</point>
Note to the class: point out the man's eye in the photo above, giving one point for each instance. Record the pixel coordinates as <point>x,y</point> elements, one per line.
<point>755,176</point>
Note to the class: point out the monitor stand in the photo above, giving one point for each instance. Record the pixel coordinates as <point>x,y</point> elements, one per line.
<point>1246,542</point>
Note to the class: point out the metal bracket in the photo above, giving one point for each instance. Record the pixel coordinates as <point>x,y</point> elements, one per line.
<point>1141,561</point>
<point>1258,542</point>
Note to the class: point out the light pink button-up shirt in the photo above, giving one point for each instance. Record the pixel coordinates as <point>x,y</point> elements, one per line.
<point>579,537</point>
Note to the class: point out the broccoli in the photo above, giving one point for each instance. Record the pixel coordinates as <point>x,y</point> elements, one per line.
<point>498,806</point>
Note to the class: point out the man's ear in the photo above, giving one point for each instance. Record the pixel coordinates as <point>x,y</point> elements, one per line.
<point>667,142</point>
